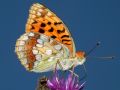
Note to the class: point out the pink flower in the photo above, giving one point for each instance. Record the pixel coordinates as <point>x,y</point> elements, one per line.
<point>69,83</point>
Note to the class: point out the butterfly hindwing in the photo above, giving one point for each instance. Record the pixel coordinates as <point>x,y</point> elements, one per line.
<point>39,53</point>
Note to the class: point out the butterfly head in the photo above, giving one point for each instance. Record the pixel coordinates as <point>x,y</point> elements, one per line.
<point>81,57</point>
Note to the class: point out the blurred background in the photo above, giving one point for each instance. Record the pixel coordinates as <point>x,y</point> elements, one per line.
<point>89,21</point>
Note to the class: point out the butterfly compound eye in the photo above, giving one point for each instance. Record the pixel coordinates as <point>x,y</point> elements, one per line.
<point>80,54</point>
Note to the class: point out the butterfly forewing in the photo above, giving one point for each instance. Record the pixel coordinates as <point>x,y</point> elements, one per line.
<point>43,21</point>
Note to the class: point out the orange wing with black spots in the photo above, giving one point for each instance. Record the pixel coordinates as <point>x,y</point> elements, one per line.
<point>42,20</point>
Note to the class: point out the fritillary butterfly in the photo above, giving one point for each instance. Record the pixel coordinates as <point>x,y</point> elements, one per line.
<point>46,41</point>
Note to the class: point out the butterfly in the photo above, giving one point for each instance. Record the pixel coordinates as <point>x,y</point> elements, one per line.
<point>47,43</point>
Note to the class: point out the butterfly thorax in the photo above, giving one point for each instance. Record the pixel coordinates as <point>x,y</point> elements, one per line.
<point>68,63</point>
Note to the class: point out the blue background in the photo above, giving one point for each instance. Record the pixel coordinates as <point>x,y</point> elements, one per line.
<point>89,21</point>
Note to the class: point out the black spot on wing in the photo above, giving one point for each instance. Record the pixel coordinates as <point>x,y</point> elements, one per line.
<point>67,43</point>
<point>32,28</point>
<point>49,23</point>
<point>43,24</point>
<point>61,31</point>
<point>53,36</point>
<point>57,23</point>
<point>51,29</point>
<point>65,36</point>
<point>41,30</point>
<point>65,40</point>
<point>34,22</point>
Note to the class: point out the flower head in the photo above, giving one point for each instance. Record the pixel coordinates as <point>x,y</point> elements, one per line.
<point>69,83</point>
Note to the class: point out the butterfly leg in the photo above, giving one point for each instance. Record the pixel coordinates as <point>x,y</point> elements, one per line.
<point>60,65</point>
<point>55,67</point>
<point>72,71</point>
<point>85,71</point>
<point>62,68</point>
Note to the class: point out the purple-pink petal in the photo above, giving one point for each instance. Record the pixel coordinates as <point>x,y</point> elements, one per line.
<point>70,83</point>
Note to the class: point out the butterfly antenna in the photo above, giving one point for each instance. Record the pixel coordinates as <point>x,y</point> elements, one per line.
<point>106,58</point>
<point>97,44</point>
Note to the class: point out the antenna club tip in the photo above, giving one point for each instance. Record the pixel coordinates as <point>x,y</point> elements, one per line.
<point>113,57</point>
<point>98,43</point>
